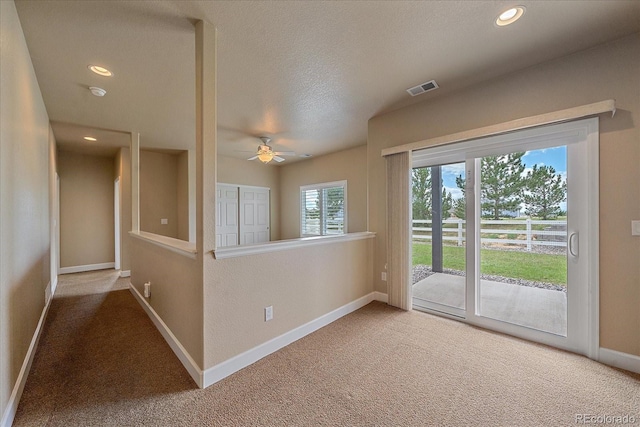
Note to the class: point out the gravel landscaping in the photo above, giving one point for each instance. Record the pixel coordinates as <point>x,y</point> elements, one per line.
<point>423,271</point>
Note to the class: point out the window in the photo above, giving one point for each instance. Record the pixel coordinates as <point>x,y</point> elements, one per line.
<point>323,209</point>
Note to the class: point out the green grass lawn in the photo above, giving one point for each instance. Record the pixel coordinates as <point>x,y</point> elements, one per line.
<point>521,265</point>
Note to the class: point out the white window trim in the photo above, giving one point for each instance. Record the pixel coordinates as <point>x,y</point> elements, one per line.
<point>322,186</point>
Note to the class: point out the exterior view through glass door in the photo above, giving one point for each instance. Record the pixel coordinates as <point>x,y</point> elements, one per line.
<point>439,236</point>
<point>523,236</point>
<point>503,232</point>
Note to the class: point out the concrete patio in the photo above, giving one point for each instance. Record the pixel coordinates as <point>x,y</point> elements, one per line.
<point>536,308</point>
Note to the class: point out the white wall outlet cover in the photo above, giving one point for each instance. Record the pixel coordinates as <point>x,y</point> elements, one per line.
<point>268,313</point>
<point>164,221</point>
<point>147,289</point>
<point>384,276</point>
<point>635,228</point>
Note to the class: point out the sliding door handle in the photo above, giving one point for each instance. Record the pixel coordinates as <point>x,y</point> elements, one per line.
<point>573,247</point>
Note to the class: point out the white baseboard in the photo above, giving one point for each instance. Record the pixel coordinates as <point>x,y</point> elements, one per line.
<point>379,296</point>
<point>187,361</point>
<point>620,360</point>
<point>18,388</point>
<point>230,366</point>
<point>125,273</point>
<point>47,293</point>
<point>54,284</point>
<point>88,267</point>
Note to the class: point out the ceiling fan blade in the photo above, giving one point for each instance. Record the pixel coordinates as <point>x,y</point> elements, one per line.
<point>278,159</point>
<point>252,158</point>
<point>285,153</point>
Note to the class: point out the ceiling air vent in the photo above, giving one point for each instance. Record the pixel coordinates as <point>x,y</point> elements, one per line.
<point>422,88</point>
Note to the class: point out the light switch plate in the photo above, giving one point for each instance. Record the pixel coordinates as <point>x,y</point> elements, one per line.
<point>164,221</point>
<point>635,228</point>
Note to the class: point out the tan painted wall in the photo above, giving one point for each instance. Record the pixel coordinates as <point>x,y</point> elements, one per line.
<point>183,195</point>
<point>24,208</point>
<point>242,172</point>
<point>609,71</point>
<point>123,171</point>
<point>159,193</point>
<point>176,291</point>
<point>54,247</point>
<point>301,285</point>
<point>86,209</point>
<point>350,165</point>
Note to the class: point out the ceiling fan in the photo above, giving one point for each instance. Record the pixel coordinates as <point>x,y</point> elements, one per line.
<point>265,153</point>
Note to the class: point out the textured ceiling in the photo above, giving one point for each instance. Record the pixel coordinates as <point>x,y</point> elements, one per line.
<point>309,74</point>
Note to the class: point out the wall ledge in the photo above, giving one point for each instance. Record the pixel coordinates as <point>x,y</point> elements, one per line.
<point>181,247</point>
<point>282,245</point>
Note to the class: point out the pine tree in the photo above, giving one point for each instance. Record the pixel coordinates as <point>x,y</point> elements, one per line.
<point>460,205</point>
<point>447,203</point>
<point>501,184</point>
<point>421,193</point>
<point>544,191</point>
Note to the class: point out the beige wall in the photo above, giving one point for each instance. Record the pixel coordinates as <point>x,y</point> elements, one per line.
<point>176,291</point>
<point>86,209</point>
<point>349,165</point>
<point>123,171</point>
<point>24,210</point>
<point>183,195</point>
<point>242,172</point>
<point>301,285</point>
<point>605,72</point>
<point>159,193</point>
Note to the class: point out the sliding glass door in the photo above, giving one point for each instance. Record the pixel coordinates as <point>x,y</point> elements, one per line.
<point>438,233</point>
<point>509,240</point>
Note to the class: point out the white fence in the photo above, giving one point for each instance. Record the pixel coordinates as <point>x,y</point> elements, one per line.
<point>553,232</point>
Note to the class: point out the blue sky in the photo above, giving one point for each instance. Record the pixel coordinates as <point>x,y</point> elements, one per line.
<point>556,157</point>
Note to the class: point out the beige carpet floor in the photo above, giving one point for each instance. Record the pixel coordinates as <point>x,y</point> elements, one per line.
<point>101,362</point>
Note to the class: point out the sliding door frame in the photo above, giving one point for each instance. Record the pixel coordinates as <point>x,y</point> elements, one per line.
<point>471,151</point>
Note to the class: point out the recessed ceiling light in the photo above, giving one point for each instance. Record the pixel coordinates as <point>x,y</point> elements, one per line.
<point>510,16</point>
<point>90,138</point>
<point>100,70</point>
<point>97,91</point>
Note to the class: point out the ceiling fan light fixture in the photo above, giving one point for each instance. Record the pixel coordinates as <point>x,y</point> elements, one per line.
<point>265,156</point>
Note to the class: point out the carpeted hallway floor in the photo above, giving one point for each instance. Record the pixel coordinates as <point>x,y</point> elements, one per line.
<point>101,362</point>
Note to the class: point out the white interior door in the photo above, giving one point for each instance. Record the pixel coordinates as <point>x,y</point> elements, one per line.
<point>227,215</point>
<point>254,215</point>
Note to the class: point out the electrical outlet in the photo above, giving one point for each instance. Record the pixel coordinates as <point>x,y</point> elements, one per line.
<point>268,313</point>
<point>635,228</point>
<point>164,221</point>
<point>384,276</point>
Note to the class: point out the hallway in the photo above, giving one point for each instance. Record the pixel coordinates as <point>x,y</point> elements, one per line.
<point>99,357</point>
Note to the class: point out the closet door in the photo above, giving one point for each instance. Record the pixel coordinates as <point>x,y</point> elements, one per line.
<point>254,215</point>
<point>227,216</point>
